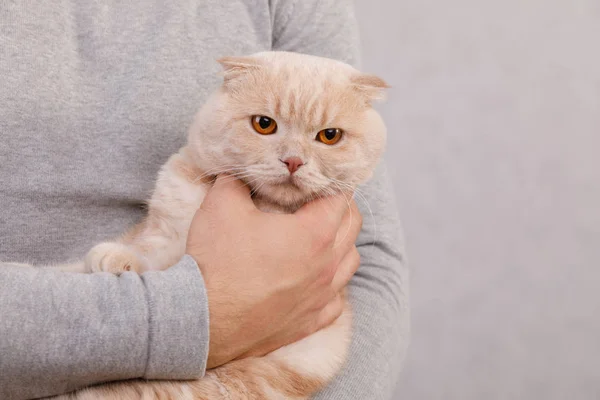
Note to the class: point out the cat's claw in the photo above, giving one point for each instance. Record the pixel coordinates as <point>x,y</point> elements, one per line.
<point>115,258</point>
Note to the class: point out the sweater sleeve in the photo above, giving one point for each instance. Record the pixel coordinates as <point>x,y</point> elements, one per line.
<point>379,290</point>
<point>62,331</point>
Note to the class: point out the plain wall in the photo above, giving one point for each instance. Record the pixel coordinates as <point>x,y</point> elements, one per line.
<point>494,139</point>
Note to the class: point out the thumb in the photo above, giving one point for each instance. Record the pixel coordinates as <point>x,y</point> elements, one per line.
<point>229,191</point>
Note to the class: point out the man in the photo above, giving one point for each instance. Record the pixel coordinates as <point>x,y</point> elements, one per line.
<point>94,98</point>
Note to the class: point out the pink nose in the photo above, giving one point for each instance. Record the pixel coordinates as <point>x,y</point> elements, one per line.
<point>293,163</point>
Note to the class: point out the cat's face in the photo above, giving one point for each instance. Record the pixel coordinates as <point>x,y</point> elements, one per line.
<point>292,126</point>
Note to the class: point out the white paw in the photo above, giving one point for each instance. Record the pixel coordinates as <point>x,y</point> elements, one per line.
<point>115,258</point>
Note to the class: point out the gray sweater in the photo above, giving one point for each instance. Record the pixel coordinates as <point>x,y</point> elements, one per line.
<point>94,97</point>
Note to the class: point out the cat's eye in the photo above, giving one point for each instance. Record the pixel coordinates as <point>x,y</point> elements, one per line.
<point>264,125</point>
<point>330,136</point>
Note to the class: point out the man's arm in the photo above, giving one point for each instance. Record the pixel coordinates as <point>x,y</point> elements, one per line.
<point>62,331</point>
<point>379,290</point>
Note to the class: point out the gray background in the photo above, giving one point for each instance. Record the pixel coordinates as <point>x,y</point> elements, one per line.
<point>494,121</point>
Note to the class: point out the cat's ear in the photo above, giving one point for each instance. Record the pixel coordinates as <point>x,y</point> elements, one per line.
<point>370,86</point>
<point>234,67</point>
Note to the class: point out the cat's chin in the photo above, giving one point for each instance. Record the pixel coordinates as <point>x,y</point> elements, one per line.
<point>287,196</point>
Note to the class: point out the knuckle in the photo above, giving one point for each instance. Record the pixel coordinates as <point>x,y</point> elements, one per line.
<point>359,218</point>
<point>327,274</point>
<point>329,236</point>
<point>321,303</point>
<point>324,279</point>
<point>339,309</point>
<point>336,309</point>
<point>311,327</point>
<point>337,300</point>
<point>356,256</point>
<point>322,239</point>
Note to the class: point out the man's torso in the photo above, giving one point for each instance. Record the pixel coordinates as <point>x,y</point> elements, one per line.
<point>94,99</point>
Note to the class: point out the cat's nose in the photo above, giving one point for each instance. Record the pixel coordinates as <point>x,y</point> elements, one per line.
<point>293,163</point>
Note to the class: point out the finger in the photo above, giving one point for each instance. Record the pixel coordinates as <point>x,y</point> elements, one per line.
<point>331,312</point>
<point>229,191</point>
<point>349,229</point>
<point>346,269</point>
<point>325,212</point>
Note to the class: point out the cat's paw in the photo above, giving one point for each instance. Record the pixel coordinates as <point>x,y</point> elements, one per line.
<point>115,258</point>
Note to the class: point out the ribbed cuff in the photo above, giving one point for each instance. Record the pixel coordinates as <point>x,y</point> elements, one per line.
<point>178,330</point>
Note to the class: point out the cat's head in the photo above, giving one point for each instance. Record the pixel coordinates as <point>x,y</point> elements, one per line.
<point>292,126</point>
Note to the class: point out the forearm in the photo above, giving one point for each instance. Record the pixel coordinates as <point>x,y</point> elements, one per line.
<point>62,331</point>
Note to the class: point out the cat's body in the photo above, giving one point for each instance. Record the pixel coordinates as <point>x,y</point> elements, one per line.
<point>306,96</point>
<point>293,371</point>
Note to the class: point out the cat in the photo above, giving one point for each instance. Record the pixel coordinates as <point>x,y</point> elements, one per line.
<point>292,127</point>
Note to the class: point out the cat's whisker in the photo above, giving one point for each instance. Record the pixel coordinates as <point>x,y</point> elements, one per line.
<point>366,203</point>
<point>360,196</point>
<point>328,197</point>
<point>255,190</point>
<point>222,168</point>
<point>238,176</point>
<point>228,169</point>
<point>217,171</point>
<point>244,175</point>
<point>349,209</point>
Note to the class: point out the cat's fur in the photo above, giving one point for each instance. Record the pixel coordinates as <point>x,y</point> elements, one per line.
<point>303,94</point>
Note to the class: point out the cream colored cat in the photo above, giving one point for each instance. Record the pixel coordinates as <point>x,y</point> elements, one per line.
<point>292,127</point>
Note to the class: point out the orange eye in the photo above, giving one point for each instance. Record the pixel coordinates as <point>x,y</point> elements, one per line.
<point>264,125</point>
<point>330,136</point>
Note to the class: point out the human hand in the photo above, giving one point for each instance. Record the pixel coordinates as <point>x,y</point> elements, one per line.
<point>271,279</point>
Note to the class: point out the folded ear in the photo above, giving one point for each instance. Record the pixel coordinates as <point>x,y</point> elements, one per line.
<point>234,67</point>
<point>370,86</point>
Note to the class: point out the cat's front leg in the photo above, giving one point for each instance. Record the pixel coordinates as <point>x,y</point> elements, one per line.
<point>113,257</point>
